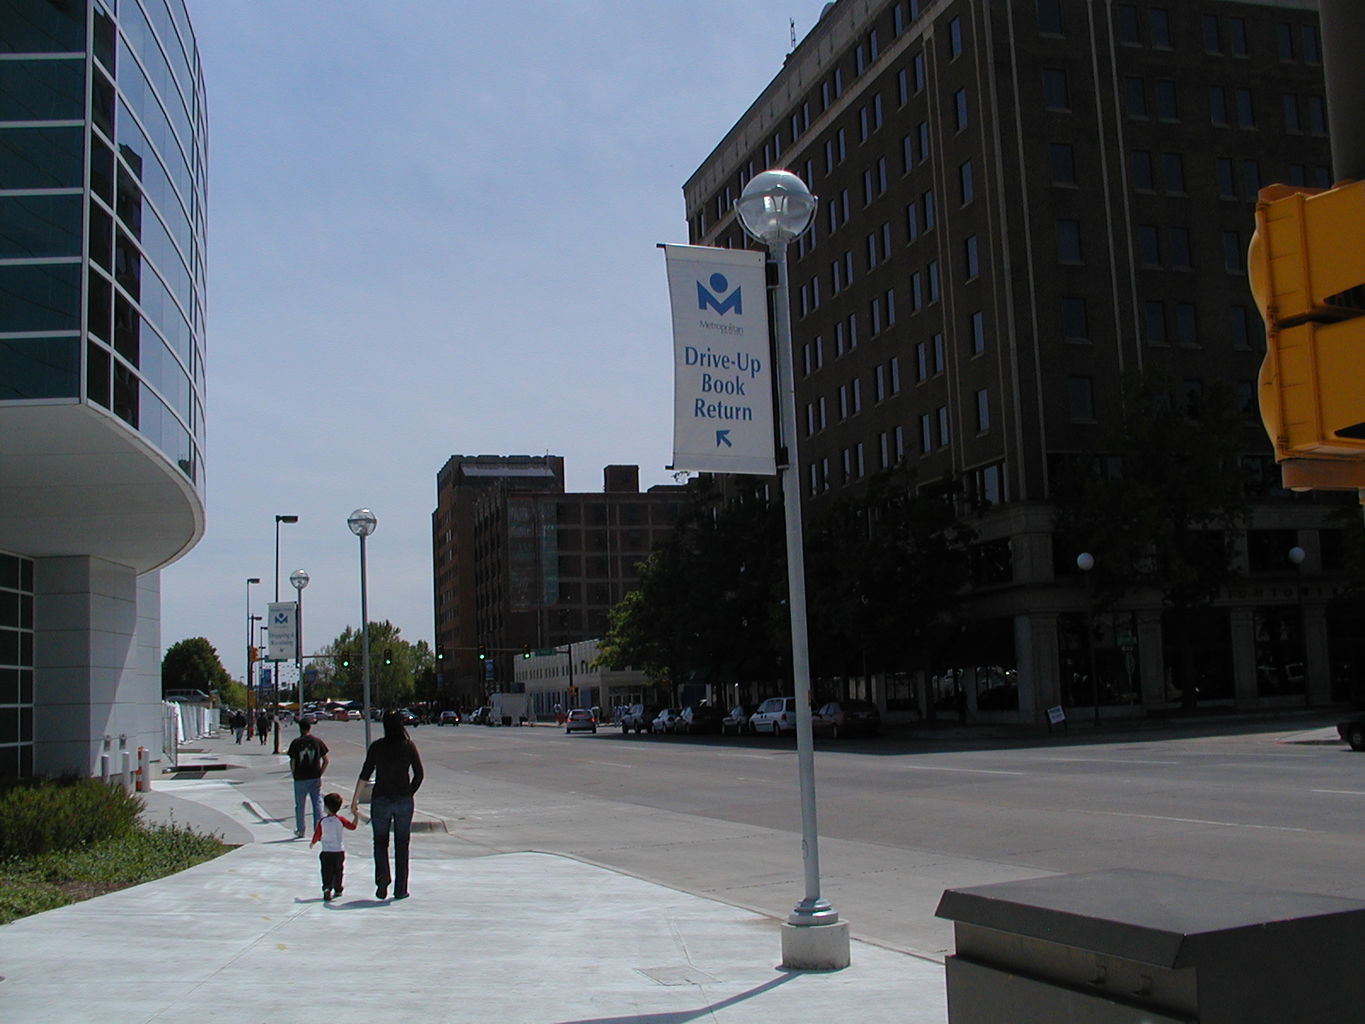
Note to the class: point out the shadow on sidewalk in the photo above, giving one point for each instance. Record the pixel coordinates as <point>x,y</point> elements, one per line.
<point>701,1012</point>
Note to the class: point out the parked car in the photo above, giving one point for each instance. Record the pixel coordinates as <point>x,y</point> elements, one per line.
<point>342,715</point>
<point>637,718</point>
<point>448,718</point>
<point>580,720</point>
<point>408,718</point>
<point>776,715</point>
<point>666,720</point>
<point>481,716</point>
<point>699,718</point>
<point>847,718</point>
<point>1352,730</point>
<point>737,719</point>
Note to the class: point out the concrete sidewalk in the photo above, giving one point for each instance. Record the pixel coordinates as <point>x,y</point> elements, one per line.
<point>503,938</point>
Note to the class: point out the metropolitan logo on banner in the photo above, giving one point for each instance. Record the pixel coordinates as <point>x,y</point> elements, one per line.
<point>282,619</point>
<point>722,380</point>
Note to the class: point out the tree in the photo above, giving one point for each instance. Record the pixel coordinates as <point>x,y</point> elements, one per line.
<point>1158,508</point>
<point>708,607</point>
<point>193,664</point>
<point>392,685</point>
<point>887,573</point>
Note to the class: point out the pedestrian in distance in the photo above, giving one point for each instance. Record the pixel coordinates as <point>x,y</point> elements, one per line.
<point>397,770</point>
<point>262,726</point>
<point>238,723</point>
<point>307,763</point>
<point>328,831</point>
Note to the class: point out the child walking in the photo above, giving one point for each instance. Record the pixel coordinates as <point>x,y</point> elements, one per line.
<point>328,831</point>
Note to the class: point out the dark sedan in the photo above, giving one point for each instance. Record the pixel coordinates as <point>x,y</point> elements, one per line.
<point>847,718</point>
<point>1352,730</point>
<point>699,718</point>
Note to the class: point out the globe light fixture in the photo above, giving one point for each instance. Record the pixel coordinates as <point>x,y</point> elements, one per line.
<point>775,207</point>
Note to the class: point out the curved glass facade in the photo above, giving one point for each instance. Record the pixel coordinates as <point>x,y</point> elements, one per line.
<point>102,214</point>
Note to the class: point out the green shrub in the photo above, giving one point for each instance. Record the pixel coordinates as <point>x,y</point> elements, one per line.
<point>22,895</point>
<point>50,816</point>
<point>147,852</point>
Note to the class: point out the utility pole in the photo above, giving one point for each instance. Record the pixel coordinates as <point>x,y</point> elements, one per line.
<point>1343,41</point>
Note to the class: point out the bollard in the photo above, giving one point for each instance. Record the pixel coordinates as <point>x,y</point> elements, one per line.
<point>104,767</point>
<point>143,774</point>
<point>125,776</point>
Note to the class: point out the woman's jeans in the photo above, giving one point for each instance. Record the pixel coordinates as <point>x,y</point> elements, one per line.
<point>391,813</point>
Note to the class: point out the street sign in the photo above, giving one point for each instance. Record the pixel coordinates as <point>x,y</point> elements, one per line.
<point>282,622</point>
<point>722,380</point>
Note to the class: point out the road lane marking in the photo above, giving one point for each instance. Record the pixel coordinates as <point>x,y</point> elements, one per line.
<point>969,771</point>
<point>1341,792</point>
<point>752,757</point>
<point>1105,760</point>
<point>1192,821</point>
<point>611,764</point>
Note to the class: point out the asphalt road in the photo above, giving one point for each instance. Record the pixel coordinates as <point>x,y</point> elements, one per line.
<point>900,820</point>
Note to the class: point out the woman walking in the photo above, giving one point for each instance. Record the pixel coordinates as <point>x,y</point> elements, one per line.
<point>397,770</point>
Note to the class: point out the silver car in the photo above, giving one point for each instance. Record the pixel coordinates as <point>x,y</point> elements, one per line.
<point>776,715</point>
<point>666,720</point>
<point>580,720</point>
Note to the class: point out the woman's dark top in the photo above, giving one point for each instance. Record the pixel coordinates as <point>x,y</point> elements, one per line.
<point>390,764</point>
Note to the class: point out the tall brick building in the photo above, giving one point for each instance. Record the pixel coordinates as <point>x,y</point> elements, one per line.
<point>518,563</point>
<point>1020,200</point>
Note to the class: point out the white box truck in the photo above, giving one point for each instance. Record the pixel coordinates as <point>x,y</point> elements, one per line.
<point>509,708</point>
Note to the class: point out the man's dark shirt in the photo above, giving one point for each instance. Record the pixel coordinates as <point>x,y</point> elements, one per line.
<point>310,768</point>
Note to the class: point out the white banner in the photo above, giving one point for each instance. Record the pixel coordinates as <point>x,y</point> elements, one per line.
<point>722,380</point>
<point>282,621</point>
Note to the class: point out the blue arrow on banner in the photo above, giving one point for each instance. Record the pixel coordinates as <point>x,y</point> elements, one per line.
<point>723,438</point>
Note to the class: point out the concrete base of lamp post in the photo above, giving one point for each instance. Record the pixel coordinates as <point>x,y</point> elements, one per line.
<point>815,947</point>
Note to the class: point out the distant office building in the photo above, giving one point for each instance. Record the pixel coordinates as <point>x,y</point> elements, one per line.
<point>521,565</point>
<point>102,209</point>
<point>1018,202</point>
<point>565,677</point>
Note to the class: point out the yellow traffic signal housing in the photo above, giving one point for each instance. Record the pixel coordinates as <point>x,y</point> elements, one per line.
<point>1307,269</point>
<point>252,654</point>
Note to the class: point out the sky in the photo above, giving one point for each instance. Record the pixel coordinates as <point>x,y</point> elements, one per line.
<point>432,231</point>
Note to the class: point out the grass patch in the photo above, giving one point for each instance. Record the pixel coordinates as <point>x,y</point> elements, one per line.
<point>73,842</point>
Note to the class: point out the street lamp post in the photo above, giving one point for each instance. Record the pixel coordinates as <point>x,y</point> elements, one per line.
<point>776,207</point>
<point>298,579</point>
<point>1296,555</point>
<point>275,675</point>
<point>1085,561</point>
<point>362,523</point>
<point>250,724</point>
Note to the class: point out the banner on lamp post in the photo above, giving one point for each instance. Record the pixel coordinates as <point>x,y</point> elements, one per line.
<point>722,373</point>
<point>282,619</point>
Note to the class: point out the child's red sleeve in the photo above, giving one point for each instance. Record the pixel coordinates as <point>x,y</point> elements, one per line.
<point>317,832</point>
<point>348,824</point>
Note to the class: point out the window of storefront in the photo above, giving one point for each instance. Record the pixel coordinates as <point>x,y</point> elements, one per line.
<point>1116,659</point>
<point>1280,664</point>
<point>16,666</point>
<point>1197,652</point>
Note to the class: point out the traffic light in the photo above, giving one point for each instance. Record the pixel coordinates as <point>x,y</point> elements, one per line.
<point>252,654</point>
<point>525,650</point>
<point>483,652</point>
<point>440,653</point>
<point>345,659</point>
<point>1307,270</point>
<point>388,656</point>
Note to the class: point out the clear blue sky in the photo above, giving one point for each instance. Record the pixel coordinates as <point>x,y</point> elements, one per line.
<point>432,230</point>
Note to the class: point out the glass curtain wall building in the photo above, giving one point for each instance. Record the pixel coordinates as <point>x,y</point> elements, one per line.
<point>102,276</point>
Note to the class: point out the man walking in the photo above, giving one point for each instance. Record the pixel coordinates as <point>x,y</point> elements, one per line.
<point>307,762</point>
